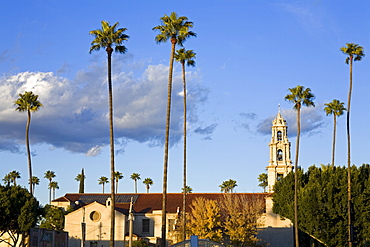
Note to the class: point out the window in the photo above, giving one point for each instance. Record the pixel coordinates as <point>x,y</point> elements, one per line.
<point>95,216</point>
<point>145,225</point>
<point>279,155</point>
<point>279,136</point>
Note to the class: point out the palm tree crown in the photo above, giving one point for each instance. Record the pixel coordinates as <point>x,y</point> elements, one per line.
<point>118,176</point>
<point>148,182</point>
<point>187,56</point>
<point>354,51</point>
<point>135,176</point>
<point>300,96</point>
<point>103,180</point>
<point>228,186</point>
<point>49,175</point>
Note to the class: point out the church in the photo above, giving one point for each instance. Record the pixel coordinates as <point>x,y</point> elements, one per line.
<point>90,221</point>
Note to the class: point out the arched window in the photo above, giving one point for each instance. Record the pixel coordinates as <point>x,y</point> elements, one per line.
<point>279,136</point>
<point>279,155</point>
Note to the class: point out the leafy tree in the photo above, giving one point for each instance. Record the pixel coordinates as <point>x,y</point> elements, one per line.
<point>20,212</point>
<point>7,179</point>
<point>187,190</point>
<point>109,37</point>
<point>176,29</point>
<point>140,243</point>
<point>183,56</point>
<point>135,176</point>
<point>204,220</point>
<point>28,102</point>
<point>53,186</point>
<point>228,186</point>
<point>117,176</point>
<point>335,108</point>
<point>103,180</point>
<point>262,178</point>
<point>298,96</point>
<point>81,178</point>
<point>49,175</point>
<point>53,219</point>
<point>35,181</point>
<point>240,218</point>
<point>354,52</point>
<point>148,182</point>
<point>14,175</point>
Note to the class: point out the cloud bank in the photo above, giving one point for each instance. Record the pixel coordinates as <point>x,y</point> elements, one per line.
<point>75,112</point>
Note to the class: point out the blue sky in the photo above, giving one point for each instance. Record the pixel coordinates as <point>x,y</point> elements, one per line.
<point>248,54</point>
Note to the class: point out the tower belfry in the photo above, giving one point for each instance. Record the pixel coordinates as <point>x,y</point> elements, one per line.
<point>280,163</point>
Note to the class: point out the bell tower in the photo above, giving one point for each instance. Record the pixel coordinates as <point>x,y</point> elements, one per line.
<point>280,163</point>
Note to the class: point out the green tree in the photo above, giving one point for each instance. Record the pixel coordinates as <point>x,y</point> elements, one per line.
<point>20,212</point>
<point>204,219</point>
<point>135,176</point>
<point>81,179</point>
<point>176,29</point>
<point>49,175</point>
<point>354,52</point>
<point>28,102</point>
<point>53,219</point>
<point>335,108</point>
<point>298,96</point>
<point>184,56</point>
<point>7,179</point>
<point>262,178</point>
<point>53,186</point>
<point>187,190</point>
<point>103,180</point>
<point>14,175</point>
<point>228,186</point>
<point>35,181</point>
<point>109,37</point>
<point>117,176</point>
<point>148,182</point>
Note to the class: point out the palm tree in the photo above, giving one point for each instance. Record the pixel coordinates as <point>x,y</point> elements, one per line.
<point>177,30</point>
<point>14,175</point>
<point>354,52</point>
<point>135,177</point>
<point>81,178</point>
<point>298,96</point>
<point>35,181</point>
<point>107,37</point>
<point>49,175</point>
<point>335,108</point>
<point>183,56</point>
<point>148,182</point>
<point>262,178</point>
<point>28,102</point>
<point>103,180</point>
<point>53,186</point>
<point>228,186</point>
<point>7,179</point>
<point>187,190</point>
<point>118,176</point>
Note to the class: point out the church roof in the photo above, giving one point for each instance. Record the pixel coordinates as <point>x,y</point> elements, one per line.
<point>148,202</point>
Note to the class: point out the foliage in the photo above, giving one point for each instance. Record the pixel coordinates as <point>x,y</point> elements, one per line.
<point>148,182</point>
<point>188,189</point>
<point>228,186</point>
<point>323,202</point>
<point>49,175</point>
<point>117,176</point>
<point>103,180</point>
<point>139,243</point>
<point>53,219</point>
<point>262,178</point>
<point>19,212</point>
<point>81,178</point>
<point>135,176</point>
<point>204,220</point>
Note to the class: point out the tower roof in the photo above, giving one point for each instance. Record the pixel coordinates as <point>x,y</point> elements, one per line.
<point>279,120</point>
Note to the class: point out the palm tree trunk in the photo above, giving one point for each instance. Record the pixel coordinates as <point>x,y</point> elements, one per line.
<point>109,51</point>
<point>184,184</point>
<point>28,149</point>
<point>349,156</point>
<point>50,191</point>
<point>135,185</point>
<point>296,236</point>
<point>334,134</point>
<point>165,163</point>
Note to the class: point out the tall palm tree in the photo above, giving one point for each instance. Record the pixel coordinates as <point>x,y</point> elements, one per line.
<point>262,178</point>
<point>81,179</point>
<point>176,29</point>
<point>49,175</point>
<point>108,37</point>
<point>148,182</point>
<point>103,180</point>
<point>34,181</point>
<point>28,102</point>
<point>298,96</point>
<point>183,56</point>
<point>117,176</point>
<point>14,175</point>
<point>335,108</point>
<point>135,177</point>
<point>228,186</point>
<point>354,52</point>
<point>53,186</point>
